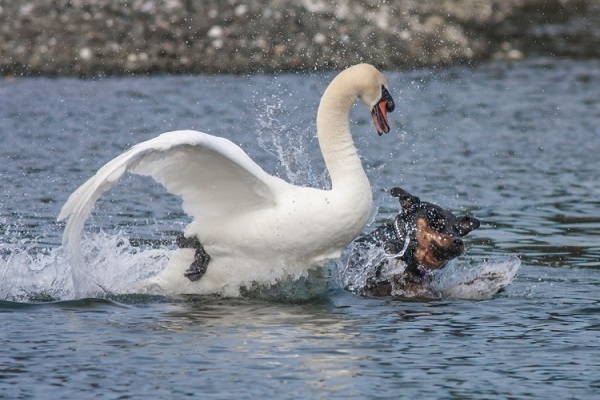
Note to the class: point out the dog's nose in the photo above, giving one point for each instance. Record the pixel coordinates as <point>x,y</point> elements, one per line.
<point>457,242</point>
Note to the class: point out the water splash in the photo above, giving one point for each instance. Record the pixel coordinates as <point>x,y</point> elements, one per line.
<point>29,274</point>
<point>462,279</point>
<point>475,280</point>
<point>112,266</point>
<point>355,277</point>
<point>288,144</point>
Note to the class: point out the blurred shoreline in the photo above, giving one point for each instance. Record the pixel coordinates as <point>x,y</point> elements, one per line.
<point>131,37</point>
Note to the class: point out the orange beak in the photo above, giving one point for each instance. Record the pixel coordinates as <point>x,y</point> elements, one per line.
<point>380,112</point>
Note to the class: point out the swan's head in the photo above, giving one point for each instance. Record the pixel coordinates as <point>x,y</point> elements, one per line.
<point>373,91</point>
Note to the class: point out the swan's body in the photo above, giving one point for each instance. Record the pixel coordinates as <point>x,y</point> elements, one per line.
<point>255,227</point>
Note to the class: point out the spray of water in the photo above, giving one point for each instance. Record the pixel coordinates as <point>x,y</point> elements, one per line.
<point>112,266</point>
<point>287,144</point>
<point>460,278</point>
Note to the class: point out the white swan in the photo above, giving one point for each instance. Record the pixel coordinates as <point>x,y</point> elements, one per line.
<point>255,226</point>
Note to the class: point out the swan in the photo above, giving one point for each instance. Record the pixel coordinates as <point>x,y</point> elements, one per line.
<point>256,228</point>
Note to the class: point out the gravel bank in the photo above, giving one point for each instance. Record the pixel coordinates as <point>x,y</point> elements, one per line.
<point>103,37</point>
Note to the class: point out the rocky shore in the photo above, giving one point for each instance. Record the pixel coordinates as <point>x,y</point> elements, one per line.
<point>105,37</point>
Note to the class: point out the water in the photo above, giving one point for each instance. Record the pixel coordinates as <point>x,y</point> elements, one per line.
<point>516,145</point>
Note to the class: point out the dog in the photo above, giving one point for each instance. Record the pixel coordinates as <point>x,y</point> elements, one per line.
<point>397,257</point>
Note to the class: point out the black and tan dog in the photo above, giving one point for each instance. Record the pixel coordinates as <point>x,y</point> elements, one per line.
<point>396,257</point>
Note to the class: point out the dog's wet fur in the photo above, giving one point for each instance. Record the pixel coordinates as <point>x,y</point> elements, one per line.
<point>423,236</point>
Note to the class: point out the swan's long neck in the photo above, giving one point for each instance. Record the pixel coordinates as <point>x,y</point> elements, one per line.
<point>333,131</point>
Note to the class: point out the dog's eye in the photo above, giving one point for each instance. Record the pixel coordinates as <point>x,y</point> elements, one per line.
<point>432,215</point>
<point>435,220</point>
<point>439,224</point>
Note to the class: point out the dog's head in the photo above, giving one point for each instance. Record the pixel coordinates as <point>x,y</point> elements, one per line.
<point>435,234</point>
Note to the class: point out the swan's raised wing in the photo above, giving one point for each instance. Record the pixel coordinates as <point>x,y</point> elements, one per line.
<point>213,176</point>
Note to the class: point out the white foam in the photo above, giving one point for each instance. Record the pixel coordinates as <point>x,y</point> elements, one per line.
<point>111,265</point>
<point>460,278</point>
<point>476,281</point>
<point>27,273</point>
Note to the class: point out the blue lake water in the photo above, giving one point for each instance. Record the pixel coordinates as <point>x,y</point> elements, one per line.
<point>515,145</point>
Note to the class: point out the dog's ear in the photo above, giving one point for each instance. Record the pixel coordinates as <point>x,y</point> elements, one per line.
<point>407,201</point>
<point>466,225</point>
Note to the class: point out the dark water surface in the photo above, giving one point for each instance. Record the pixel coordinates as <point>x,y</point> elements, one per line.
<point>518,146</point>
